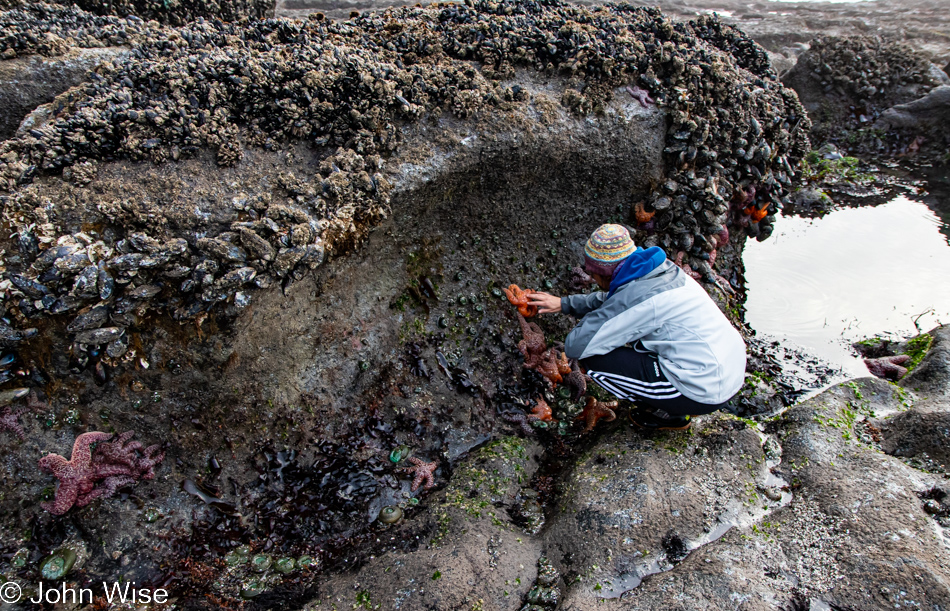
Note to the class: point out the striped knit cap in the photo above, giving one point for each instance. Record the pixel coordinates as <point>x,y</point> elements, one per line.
<point>607,248</point>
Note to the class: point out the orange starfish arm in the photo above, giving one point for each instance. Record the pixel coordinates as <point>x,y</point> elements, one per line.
<point>519,297</point>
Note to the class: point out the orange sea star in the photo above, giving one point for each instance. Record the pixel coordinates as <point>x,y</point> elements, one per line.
<point>596,410</point>
<point>641,213</point>
<point>542,411</point>
<point>519,297</point>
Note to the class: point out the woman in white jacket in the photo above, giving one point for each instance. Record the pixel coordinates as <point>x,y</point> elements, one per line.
<point>652,336</point>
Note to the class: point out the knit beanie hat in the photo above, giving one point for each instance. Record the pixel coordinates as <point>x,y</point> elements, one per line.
<point>607,248</point>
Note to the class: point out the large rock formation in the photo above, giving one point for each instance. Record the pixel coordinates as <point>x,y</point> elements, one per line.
<point>28,82</point>
<point>277,246</point>
<point>846,83</point>
<point>173,12</point>
<point>805,512</point>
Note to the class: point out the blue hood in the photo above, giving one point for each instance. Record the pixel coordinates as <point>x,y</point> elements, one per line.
<point>637,265</point>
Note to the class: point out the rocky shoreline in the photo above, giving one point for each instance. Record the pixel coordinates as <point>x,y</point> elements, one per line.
<point>275,251</point>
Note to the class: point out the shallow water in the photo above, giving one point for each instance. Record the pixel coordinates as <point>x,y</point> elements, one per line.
<point>822,284</point>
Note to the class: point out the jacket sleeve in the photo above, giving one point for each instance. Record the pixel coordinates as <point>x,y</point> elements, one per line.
<point>604,329</point>
<point>581,305</point>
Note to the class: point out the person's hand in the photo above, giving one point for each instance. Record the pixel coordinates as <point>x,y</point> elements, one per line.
<point>546,302</point>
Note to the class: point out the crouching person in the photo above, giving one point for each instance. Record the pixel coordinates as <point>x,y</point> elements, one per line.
<point>652,335</point>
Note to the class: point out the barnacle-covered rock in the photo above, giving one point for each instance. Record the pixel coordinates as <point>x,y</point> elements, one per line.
<point>237,93</point>
<point>845,83</point>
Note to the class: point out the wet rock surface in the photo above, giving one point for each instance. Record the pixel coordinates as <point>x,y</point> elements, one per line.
<point>472,554</point>
<point>636,505</point>
<point>922,122</point>
<point>921,433</point>
<point>800,510</point>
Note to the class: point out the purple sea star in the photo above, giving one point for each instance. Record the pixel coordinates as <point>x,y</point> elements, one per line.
<point>9,421</point>
<point>580,280</point>
<point>424,473</point>
<point>521,419</point>
<point>642,95</point>
<point>90,475</point>
<point>124,453</point>
<point>576,380</point>
<point>533,346</point>
<point>76,476</point>
<point>888,367</point>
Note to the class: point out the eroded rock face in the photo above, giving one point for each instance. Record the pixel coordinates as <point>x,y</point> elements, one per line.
<point>353,89</point>
<point>370,191</point>
<point>28,82</point>
<point>473,557</point>
<point>633,504</point>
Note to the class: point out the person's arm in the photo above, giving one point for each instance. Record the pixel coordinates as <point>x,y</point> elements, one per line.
<point>575,305</point>
<point>581,305</point>
<point>609,327</point>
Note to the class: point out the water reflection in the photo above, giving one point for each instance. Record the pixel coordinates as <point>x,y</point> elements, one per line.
<point>857,272</point>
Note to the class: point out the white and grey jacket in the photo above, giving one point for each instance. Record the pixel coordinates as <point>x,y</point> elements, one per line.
<point>700,352</point>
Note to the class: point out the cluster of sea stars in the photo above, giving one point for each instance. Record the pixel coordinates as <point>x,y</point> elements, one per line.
<point>541,412</point>
<point>91,474</point>
<point>549,362</point>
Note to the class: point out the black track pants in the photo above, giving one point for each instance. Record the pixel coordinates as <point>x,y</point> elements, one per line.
<point>634,374</point>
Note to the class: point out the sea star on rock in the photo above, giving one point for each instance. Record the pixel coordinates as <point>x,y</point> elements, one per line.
<point>756,213</point>
<point>76,476</point>
<point>553,367</point>
<point>685,266</point>
<point>595,411</point>
<point>9,421</point>
<point>519,297</point>
<point>106,488</point>
<point>641,213</point>
<point>532,347</point>
<point>521,419</point>
<point>641,95</point>
<point>888,367</point>
<point>423,472</point>
<point>744,198</point>
<point>541,412</point>
<point>125,453</point>
<point>90,475</point>
<point>580,280</point>
<point>576,380</point>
